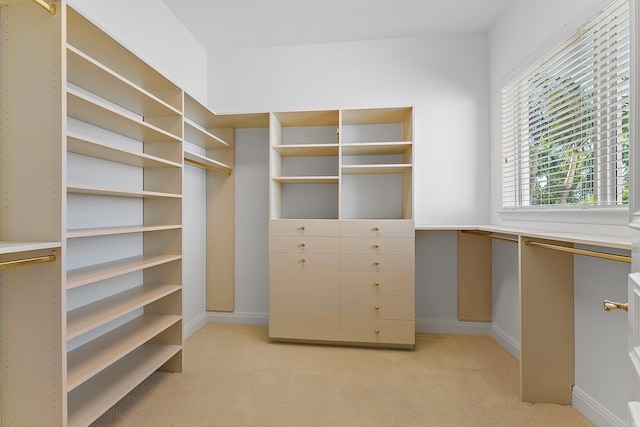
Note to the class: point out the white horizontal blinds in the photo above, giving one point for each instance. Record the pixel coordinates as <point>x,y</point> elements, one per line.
<point>565,134</point>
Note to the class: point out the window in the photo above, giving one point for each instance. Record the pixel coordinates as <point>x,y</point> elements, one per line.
<point>565,121</point>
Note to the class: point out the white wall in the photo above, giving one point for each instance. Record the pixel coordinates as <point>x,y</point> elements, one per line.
<point>524,33</point>
<point>444,78</point>
<point>150,30</point>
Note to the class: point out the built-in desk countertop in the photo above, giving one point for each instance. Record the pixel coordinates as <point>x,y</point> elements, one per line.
<point>545,260</point>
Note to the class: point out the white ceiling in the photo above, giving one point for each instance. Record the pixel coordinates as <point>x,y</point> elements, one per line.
<point>220,24</point>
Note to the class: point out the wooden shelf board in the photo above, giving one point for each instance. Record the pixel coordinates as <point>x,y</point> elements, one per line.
<point>194,110</point>
<point>90,400</point>
<point>308,118</point>
<point>86,146</point>
<point>89,74</point>
<point>91,316</point>
<point>90,359</point>
<point>200,136</point>
<point>374,169</point>
<point>102,191</point>
<point>375,116</point>
<point>85,275</point>
<point>306,179</point>
<point>307,150</point>
<point>109,231</point>
<point>91,111</point>
<point>207,163</point>
<point>378,148</point>
<point>7,248</point>
<point>604,241</point>
<point>244,120</point>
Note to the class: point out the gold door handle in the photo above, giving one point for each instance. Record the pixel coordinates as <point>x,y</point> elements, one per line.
<point>610,305</point>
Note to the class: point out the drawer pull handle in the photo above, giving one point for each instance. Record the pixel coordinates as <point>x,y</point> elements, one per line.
<point>375,229</point>
<point>377,331</point>
<point>377,307</point>
<point>303,260</point>
<point>610,305</point>
<point>302,245</point>
<point>376,283</point>
<point>376,246</point>
<point>376,263</point>
<point>301,228</point>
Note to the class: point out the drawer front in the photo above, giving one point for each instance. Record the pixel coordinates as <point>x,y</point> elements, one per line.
<point>380,263</point>
<point>367,283</point>
<point>377,228</point>
<point>303,227</point>
<point>303,245</point>
<point>377,245</point>
<point>377,307</point>
<point>377,331</point>
<point>303,297</point>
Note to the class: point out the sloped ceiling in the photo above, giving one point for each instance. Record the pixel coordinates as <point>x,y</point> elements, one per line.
<point>228,24</point>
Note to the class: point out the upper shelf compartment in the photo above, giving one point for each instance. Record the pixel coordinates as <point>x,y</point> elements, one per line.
<point>379,125</point>
<point>94,111</point>
<point>85,37</point>
<point>87,73</point>
<point>304,128</point>
<point>199,124</point>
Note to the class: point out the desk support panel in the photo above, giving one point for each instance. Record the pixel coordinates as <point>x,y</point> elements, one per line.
<point>547,340</point>
<point>474,278</point>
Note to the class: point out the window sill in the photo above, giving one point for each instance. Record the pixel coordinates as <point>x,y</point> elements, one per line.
<point>596,216</point>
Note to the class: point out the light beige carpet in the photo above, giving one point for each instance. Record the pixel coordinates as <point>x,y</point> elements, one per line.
<point>234,376</point>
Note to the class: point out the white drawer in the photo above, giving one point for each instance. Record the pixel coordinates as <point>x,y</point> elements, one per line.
<point>303,245</point>
<point>367,283</point>
<point>377,245</point>
<point>378,331</point>
<point>377,228</point>
<point>303,227</point>
<point>377,263</point>
<point>377,307</point>
<point>303,295</point>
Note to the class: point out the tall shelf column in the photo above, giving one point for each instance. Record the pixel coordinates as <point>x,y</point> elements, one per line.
<point>32,218</point>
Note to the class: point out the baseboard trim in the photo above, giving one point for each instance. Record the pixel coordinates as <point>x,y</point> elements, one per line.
<point>238,318</point>
<point>193,326</point>
<point>430,326</point>
<point>593,411</point>
<point>506,341</point>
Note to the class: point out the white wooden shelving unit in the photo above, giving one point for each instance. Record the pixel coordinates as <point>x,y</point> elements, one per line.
<point>124,222</point>
<point>211,148</point>
<point>93,184</point>
<point>341,236</point>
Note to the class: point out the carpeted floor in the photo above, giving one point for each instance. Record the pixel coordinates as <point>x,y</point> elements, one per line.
<point>234,376</point>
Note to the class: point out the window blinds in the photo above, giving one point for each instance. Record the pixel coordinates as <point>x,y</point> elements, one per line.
<point>565,134</point>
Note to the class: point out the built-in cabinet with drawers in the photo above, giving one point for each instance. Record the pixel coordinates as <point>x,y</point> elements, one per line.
<point>341,232</point>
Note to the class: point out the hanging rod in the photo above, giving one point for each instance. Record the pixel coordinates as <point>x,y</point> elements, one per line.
<point>603,255</point>
<point>491,236</point>
<point>205,166</point>
<point>51,8</point>
<point>5,265</point>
